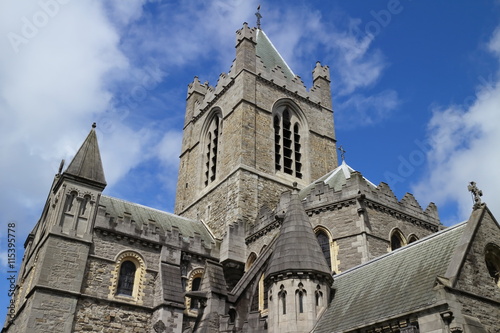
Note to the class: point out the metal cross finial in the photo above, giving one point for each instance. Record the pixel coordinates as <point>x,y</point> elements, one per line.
<point>342,153</point>
<point>476,195</point>
<point>258,17</point>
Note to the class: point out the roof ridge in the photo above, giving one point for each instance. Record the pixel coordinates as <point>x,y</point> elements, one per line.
<point>151,208</point>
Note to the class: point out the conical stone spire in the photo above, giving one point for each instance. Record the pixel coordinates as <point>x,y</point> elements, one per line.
<point>297,249</point>
<point>86,166</point>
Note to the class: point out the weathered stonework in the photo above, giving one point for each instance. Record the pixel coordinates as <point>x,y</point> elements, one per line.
<point>247,228</point>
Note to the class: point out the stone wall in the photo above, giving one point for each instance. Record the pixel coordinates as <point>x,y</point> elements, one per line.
<point>382,221</point>
<point>475,279</point>
<point>101,316</point>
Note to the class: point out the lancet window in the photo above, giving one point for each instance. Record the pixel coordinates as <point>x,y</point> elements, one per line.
<point>287,143</point>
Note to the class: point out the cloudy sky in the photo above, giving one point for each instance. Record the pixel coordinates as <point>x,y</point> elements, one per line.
<point>415,85</point>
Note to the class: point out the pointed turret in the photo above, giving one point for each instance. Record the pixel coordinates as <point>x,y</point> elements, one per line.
<point>297,249</point>
<point>298,278</point>
<point>86,166</point>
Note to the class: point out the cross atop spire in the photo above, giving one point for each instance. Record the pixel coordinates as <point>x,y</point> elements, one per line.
<point>342,153</point>
<point>476,195</point>
<point>258,16</point>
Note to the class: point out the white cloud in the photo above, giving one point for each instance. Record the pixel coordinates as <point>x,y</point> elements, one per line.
<point>54,84</point>
<point>464,147</point>
<point>360,110</point>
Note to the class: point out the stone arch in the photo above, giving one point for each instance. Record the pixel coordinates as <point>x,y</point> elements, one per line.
<point>251,259</point>
<point>300,298</point>
<point>194,278</point>
<point>136,293</point>
<point>328,246</point>
<point>412,238</point>
<point>291,135</point>
<point>210,140</point>
<point>396,239</point>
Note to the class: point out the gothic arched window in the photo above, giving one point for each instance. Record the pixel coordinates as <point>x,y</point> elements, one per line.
<point>319,296</point>
<point>282,297</point>
<point>412,238</point>
<point>397,239</point>
<point>194,284</point>
<point>212,147</point>
<point>300,294</point>
<point>195,287</point>
<point>126,278</point>
<point>324,243</point>
<point>287,143</point>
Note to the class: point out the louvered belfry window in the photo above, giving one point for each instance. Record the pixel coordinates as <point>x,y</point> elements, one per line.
<point>212,149</point>
<point>287,144</point>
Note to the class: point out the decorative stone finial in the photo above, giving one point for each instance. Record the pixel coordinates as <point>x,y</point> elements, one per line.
<point>61,166</point>
<point>258,17</point>
<point>94,125</point>
<point>476,195</point>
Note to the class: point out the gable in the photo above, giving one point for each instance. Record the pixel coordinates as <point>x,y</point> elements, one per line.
<point>474,276</point>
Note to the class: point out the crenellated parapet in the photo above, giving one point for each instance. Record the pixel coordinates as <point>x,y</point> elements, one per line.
<point>324,196</point>
<point>246,33</point>
<point>150,227</point>
<point>321,71</point>
<point>267,221</point>
<point>197,86</point>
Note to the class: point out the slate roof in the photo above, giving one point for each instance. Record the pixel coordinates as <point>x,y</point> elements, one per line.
<point>335,179</point>
<point>398,282</point>
<point>296,249</point>
<point>171,283</point>
<point>213,279</point>
<point>165,221</point>
<point>269,55</point>
<point>87,164</point>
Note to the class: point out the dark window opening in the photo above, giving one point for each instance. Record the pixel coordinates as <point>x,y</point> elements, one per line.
<point>324,243</point>
<point>397,240</point>
<point>287,147</point>
<point>126,278</point>
<point>212,149</point>
<point>195,286</point>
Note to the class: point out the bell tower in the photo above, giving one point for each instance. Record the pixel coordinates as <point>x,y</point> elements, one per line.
<point>253,135</point>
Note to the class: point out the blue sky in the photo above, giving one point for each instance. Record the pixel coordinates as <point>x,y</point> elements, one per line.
<point>414,83</point>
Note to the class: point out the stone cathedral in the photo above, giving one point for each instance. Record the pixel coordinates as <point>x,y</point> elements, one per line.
<point>270,232</point>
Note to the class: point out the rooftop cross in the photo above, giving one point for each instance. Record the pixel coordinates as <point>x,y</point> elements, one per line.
<point>342,153</point>
<point>258,17</point>
<point>476,195</point>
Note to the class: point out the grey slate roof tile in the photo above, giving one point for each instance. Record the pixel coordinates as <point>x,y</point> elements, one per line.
<point>87,162</point>
<point>296,248</point>
<point>171,281</point>
<point>399,282</point>
<point>165,221</point>
<point>270,56</point>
